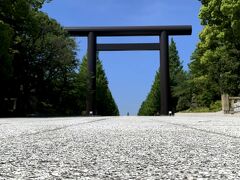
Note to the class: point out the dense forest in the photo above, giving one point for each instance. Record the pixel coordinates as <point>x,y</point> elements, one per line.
<point>215,64</point>
<point>40,74</point>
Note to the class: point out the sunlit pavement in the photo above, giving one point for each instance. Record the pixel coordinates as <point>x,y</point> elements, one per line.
<point>184,146</point>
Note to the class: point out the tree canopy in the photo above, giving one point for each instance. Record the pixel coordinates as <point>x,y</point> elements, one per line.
<point>215,65</point>
<point>38,65</point>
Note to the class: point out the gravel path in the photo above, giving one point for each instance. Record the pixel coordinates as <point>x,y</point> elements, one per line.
<point>179,147</point>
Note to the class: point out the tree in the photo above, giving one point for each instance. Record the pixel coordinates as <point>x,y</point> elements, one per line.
<point>178,78</point>
<point>39,56</point>
<point>215,65</point>
<point>13,13</point>
<point>5,57</point>
<point>220,44</point>
<point>39,68</point>
<point>55,66</point>
<point>151,106</point>
<point>105,103</point>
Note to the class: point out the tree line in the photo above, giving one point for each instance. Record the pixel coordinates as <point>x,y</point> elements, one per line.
<point>180,100</point>
<point>41,75</point>
<point>39,72</point>
<point>214,68</point>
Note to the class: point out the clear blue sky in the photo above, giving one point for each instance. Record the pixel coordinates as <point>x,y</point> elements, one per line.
<point>130,74</point>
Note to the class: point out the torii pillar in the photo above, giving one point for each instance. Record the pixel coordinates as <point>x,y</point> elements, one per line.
<point>163,31</point>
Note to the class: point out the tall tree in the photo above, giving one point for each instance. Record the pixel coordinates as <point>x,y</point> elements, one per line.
<point>151,106</point>
<point>105,103</point>
<point>39,57</point>
<point>215,65</point>
<point>177,79</point>
<point>12,17</point>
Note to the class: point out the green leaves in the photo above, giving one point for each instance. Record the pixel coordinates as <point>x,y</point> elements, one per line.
<point>37,60</point>
<point>106,105</point>
<point>151,106</point>
<point>179,87</point>
<point>215,65</point>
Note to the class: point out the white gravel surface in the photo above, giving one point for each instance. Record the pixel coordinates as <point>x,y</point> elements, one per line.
<point>192,146</point>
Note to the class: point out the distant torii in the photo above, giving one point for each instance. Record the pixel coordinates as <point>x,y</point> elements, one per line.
<point>163,31</point>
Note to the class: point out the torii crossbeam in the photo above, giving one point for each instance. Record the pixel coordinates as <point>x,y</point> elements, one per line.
<point>163,31</point>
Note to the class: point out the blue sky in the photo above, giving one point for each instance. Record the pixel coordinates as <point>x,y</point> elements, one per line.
<point>130,74</point>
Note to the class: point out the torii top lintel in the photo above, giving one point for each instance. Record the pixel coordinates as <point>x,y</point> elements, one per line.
<point>130,30</point>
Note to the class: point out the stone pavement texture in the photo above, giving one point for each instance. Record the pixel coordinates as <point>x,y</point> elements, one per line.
<point>193,146</point>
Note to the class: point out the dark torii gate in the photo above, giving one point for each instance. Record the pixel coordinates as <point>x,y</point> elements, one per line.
<point>163,31</point>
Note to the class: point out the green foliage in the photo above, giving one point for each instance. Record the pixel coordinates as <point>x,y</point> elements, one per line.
<point>106,105</point>
<point>198,110</point>
<point>214,107</point>
<point>5,56</point>
<point>215,65</point>
<point>180,88</point>
<point>151,106</point>
<point>183,92</point>
<point>45,65</point>
<point>38,65</point>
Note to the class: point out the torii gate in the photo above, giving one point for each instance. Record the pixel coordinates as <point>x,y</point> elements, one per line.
<point>163,31</point>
